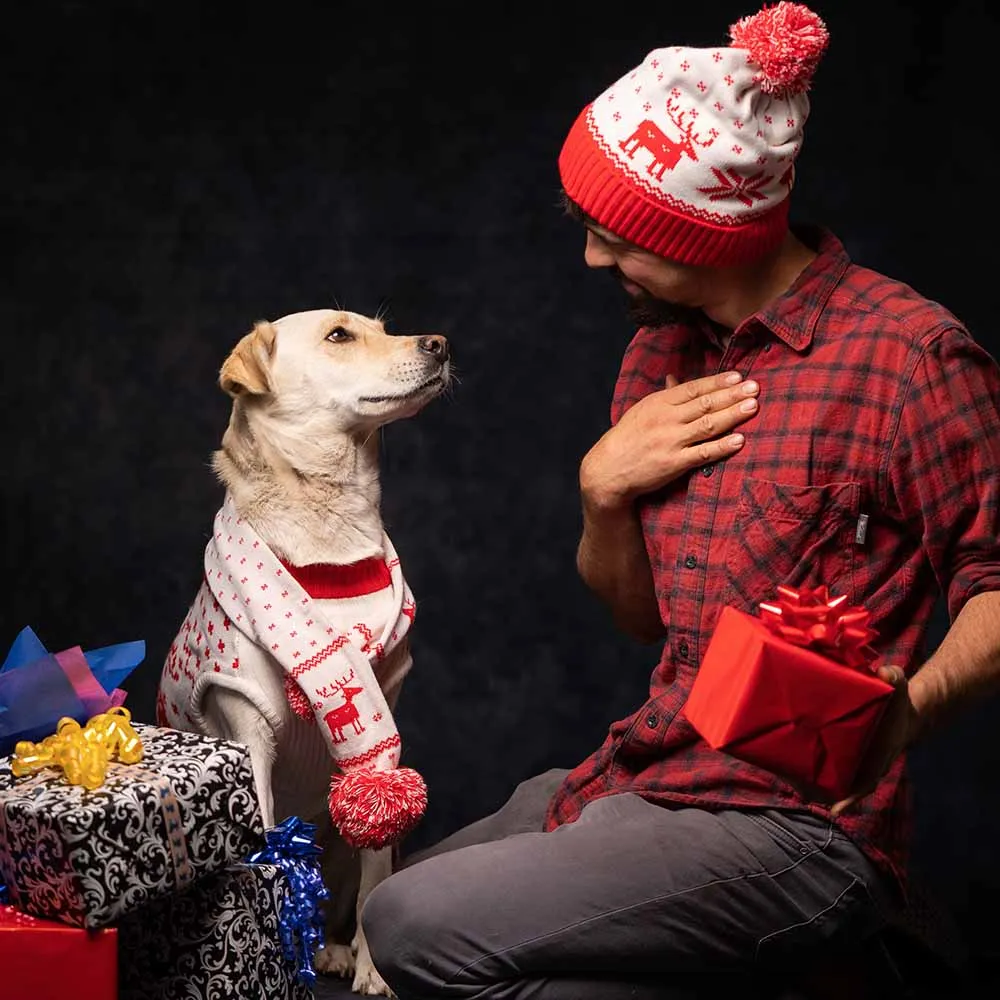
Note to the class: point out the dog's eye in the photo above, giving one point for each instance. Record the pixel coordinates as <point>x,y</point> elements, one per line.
<point>338,335</point>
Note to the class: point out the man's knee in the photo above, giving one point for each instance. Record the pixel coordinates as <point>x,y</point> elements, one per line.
<point>382,920</point>
<point>400,927</point>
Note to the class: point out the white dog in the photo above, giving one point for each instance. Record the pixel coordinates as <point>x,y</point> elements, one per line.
<point>296,644</point>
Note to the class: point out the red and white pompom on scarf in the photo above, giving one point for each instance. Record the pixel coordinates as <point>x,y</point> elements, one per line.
<point>691,154</point>
<point>329,677</point>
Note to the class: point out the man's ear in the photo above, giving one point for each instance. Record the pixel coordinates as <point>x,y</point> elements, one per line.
<point>248,367</point>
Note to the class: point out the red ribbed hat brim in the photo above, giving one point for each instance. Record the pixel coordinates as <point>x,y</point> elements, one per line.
<point>604,191</point>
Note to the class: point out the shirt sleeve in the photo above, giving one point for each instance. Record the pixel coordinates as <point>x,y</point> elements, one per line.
<point>944,464</point>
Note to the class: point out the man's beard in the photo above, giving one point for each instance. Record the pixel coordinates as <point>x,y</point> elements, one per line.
<point>647,310</point>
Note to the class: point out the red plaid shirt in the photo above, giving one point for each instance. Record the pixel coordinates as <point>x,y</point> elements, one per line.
<point>874,402</point>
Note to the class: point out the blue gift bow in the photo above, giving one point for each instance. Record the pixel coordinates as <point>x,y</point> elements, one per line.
<point>291,846</point>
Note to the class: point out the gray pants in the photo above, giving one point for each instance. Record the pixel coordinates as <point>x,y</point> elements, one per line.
<point>632,900</point>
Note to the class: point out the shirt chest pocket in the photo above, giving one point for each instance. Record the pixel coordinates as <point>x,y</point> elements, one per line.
<point>799,536</point>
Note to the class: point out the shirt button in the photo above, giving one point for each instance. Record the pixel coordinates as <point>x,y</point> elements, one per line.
<point>682,648</point>
<point>652,721</point>
<point>690,562</point>
<point>707,470</point>
<point>767,346</point>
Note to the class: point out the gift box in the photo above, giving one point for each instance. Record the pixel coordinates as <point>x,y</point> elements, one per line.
<point>218,938</point>
<point>88,856</point>
<point>792,691</point>
<point>46,960</point>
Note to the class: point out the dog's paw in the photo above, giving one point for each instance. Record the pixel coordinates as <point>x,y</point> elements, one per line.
<point>335,960</point>
<point>368,982</point>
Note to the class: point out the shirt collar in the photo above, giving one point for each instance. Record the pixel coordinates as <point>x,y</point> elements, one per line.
<point>793,315</point>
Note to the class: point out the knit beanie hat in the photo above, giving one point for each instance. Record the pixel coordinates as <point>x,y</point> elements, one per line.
<point>690,155</point>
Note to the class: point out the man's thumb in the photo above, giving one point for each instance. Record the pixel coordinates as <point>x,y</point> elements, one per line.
<point>669,382</point>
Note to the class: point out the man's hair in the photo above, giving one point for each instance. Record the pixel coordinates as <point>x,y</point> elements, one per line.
<point>573,210</point>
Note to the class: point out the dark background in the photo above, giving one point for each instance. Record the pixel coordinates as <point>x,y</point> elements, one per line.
<point>172,173</point>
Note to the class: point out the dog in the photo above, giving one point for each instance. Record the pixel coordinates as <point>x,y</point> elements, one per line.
<point>300,464</point>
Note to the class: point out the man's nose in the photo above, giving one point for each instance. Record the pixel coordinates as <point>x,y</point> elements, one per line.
<point>596,252</point>
<point>435,345</point>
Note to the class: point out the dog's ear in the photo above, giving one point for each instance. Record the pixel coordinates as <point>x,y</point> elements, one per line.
<point>248,367</point>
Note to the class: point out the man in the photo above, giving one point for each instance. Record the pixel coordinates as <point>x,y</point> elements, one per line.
<point>783,416</point>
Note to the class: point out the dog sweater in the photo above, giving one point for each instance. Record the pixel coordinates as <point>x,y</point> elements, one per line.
<point>331,659</point>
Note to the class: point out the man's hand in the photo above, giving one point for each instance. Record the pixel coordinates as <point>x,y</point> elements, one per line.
<point>666,434</point>
<point>896,730</point>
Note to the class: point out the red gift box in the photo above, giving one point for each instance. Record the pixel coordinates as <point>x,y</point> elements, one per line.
<point>45,960</point>
<point>792,691</point>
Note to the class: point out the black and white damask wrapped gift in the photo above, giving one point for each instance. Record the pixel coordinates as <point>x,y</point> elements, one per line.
<point>218,940</point>
<point>84,857</point>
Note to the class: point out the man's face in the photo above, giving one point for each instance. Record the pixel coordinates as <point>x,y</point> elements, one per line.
<point>659,291</point>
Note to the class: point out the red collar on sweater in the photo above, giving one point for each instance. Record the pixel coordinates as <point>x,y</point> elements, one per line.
<point>326,580</point>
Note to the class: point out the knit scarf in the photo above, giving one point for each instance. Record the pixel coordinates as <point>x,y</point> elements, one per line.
<point>333,669</point>
<point>329,674</point>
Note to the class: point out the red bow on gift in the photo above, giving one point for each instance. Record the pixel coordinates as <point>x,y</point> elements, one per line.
<point>811,617</point>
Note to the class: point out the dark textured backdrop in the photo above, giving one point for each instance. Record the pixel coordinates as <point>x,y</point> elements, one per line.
<point>171,174</point>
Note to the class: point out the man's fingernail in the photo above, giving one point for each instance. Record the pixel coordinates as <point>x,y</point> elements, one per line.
<point>732,378</point>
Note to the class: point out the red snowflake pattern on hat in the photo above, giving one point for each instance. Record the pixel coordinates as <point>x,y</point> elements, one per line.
<point>733,185</point>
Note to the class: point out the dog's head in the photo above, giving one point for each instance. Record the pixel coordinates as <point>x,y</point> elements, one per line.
<point>340,363</point>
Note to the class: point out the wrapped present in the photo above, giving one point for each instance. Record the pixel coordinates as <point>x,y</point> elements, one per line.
<point>87,856</point>
<point>222,937</point>
<point>37,688</point>
<point>46,960</point>
<point>792,691</point>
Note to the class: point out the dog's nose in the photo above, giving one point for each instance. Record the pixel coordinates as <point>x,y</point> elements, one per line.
<point>435,345</point>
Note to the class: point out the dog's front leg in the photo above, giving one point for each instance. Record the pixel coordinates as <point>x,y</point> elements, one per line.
<point>231,716</point>
<point>341,866</point>
<point>376,866</point>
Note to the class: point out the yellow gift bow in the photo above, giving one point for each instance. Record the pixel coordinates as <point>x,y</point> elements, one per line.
<point>82,752</point>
